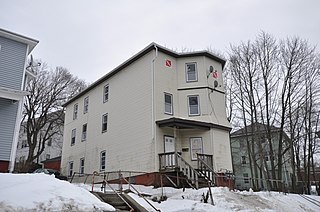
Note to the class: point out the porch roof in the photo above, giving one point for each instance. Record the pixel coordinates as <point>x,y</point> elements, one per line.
<point>188,124</point>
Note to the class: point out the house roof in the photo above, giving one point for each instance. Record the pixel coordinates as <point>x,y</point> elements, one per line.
<point>20,38</point>
<point>52,159</point>
<point>258,127</point>
<point>143,52</point>
<point>189,124</point>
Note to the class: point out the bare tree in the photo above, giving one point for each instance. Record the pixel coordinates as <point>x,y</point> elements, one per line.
<point>43,111</point>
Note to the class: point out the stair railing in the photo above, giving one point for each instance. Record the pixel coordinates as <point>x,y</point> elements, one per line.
<point>106,183</point>
<point>188,171</point>
<point>139,194</point>
<point>205,167</point>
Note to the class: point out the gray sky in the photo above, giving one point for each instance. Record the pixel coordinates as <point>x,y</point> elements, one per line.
<point>92,37</point>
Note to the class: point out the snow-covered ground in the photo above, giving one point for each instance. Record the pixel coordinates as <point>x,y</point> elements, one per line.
<point>40,192</point>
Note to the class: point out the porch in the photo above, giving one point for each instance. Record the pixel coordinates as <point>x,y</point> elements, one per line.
<point>202,175</point>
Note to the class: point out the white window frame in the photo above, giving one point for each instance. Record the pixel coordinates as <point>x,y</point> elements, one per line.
<point>75,111</point>
<point>84,133</point>
<point>246,179</point>
<point>103,160</point>
<point>86,105</point>
<point>70,169</point>
<point>189,106</point>
<point>47,156</point>
<point>165,104</point>
<point>195,72</point>
<point>105,93</point>
<point>81,166</point>
<point>195,148</point>
<point>104,122</point>
<point>243,160</point>
<point>73,136</point>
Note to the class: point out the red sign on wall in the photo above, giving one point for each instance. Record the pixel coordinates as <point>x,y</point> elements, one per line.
<point>215,74</point>
<point>168,63</point>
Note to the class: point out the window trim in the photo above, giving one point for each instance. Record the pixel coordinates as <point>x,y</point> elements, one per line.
<point>198,99</point>
<point>246,178</point>
<point>86,105</point>
<point>243,160</point>
<point>107,115</point>
<point>171,106</point>
<point>104,93</point>
<point>73,135</point>
<point>81,166</point>
<point>70,170</point>
<point>105,156</point>
<point>193,149</point>
<point>84,133</point>
<point>75,111</point>
<point>195,72</point>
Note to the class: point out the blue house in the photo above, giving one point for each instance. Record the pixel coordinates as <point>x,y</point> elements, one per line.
<point>14,50</point>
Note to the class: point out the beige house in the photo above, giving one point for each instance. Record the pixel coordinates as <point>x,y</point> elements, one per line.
<point>158,111</point>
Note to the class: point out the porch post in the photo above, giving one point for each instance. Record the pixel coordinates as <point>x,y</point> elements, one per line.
<point>175,139</point>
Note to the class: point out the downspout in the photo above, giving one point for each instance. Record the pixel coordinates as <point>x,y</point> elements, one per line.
<point>153,133</point>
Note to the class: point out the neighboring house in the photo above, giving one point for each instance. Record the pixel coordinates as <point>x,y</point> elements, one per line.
<point>53,147</point>
<point>240,156</point>
<point>158,111</point>
<point>53,163</point>
<point>14,50</point>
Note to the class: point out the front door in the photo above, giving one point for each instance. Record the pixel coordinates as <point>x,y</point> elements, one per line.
<point>169,146</point>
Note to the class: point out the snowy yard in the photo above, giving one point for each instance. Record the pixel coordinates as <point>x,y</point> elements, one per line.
<point>40,192</point>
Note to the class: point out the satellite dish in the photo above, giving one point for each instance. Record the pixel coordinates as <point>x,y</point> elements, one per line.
<point>211,69</point>
<point>215,83</point>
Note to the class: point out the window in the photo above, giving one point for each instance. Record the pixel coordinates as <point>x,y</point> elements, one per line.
<point>242,144</point>
<point>168,103</point>
<point>24,144</point>
<point>50,142</point>
<point>22,159</point>
<point>47,156</point>
<point>81,169</point>
<point>84,132</point>
<point>70,169</point>
<point>86,105</point>
<point>105,122</point>
<point>243,160</point>
<point>246,177</point>
<point>73,137</point>
<point>196,147</point>
<point>105,93</point>
<point>102,160</point>
<point>191,72</point>
<point>75,111</point>
<point>193,102</point>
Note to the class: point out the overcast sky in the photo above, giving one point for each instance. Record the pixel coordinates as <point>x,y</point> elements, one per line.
<point>92,37</point>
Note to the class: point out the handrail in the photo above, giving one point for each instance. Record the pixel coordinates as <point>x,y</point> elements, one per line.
<point>195,178</point>
<point>106,183</point>
<point>140,195</point>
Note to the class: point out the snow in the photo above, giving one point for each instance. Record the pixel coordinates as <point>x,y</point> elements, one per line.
<point>40,192</point>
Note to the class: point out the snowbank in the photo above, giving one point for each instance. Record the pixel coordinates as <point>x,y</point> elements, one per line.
<point>41,192</point>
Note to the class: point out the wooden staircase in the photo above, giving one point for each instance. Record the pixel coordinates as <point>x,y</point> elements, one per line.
<point>113,199</point>
<point>203,176</point>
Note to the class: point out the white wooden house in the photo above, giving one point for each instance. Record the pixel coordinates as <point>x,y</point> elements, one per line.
<point>14,49</point>
<point>158,111</point>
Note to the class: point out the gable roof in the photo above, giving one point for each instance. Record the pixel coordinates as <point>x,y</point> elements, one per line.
<point>20,38</point>
<point>143,52</point>
<point>261,128</point>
